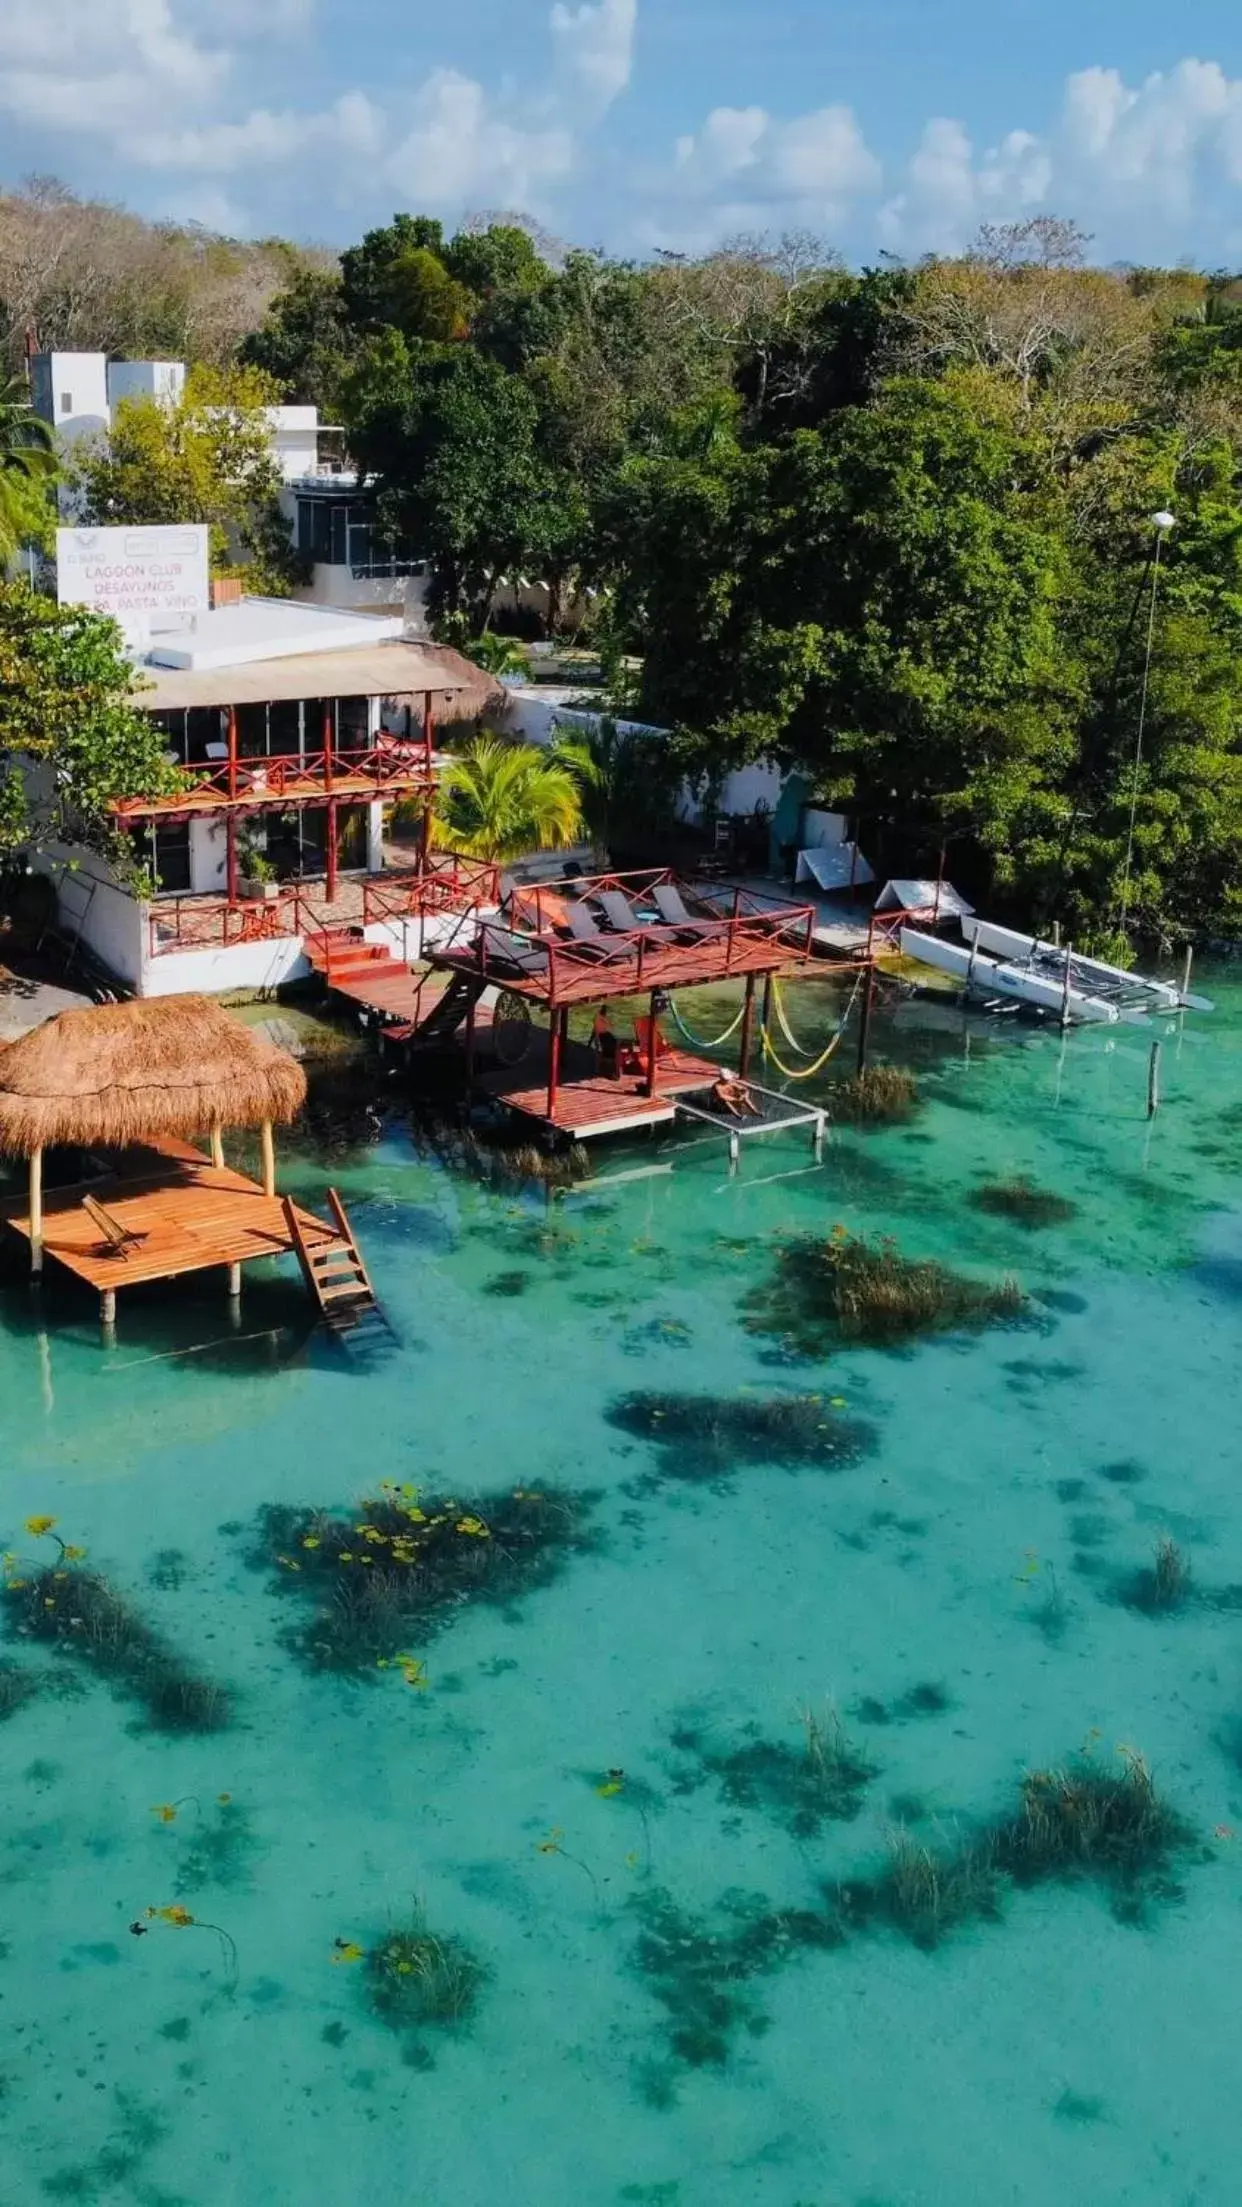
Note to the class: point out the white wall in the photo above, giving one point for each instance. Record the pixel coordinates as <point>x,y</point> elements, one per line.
<point>340,587</point>
<point>244,966</point>
<point>158,379</point>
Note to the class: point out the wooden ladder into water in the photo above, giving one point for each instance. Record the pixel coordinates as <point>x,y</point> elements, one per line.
<point>334,1271</point>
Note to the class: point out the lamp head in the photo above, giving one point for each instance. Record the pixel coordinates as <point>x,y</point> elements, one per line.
<point>1163,522</point>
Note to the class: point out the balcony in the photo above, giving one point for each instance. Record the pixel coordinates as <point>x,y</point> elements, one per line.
<point>315,907</point>
<point>388,769</point>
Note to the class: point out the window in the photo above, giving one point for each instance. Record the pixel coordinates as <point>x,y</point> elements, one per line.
<point>66,402</point>
<point>323,527</point>
<point>163,847</point>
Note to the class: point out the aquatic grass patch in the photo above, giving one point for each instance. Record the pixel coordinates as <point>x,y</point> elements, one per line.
<point>80,1615</point>
<point>820,1780</point>
<point>1163,1586</point>
<point>417,1978</point>
<point>404,1564</point>
<point>1022,1201</point>
<point>848,1289</point>
<point>701,1436</point>
<point>881,1095</point>
<point>1082,1820</point>
<point>929,1698</point>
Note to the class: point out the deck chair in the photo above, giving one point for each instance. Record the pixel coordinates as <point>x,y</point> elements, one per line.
<point>521,953</point>
<point>619,912</point>
<point>589,935</point>
<point>671,906</point>
<point>118,1239</point>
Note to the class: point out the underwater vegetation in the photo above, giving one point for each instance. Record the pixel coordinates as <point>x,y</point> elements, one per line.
<point>868,1292</point>
<point>928,1699</point>
<point>702,1436</point>
<point>80,1615</point>
<point>17,1686</point>
<point>1162,1586</point>
<point>416,1977</point>
<point>496,1162</point>
<point>820,1780</point>
<point>1084,1820</point>
<point>219,1844</point>
<point>1026,1204</point>
<point>702,1976</point>
<point>880,1095</point>
<point>402,1566</point>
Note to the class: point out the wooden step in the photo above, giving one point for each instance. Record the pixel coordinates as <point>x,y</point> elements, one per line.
<point>334,1271</point>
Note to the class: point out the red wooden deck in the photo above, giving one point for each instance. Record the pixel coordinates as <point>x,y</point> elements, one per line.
<point>592,1104</point>
<point>651,960</point>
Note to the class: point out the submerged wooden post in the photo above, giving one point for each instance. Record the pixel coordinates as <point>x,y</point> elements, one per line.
<point>217,1149</point>
<point>36,1210</point>
<point>649,1085</point>
<point>748,1027</point>
<point>269,1157</point>
<point>107,1307</point>
<point>1153,1080</point>
<point>554,1062</point>
<point>234,1283</point>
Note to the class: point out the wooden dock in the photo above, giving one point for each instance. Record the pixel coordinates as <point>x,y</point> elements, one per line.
<point>188,1214</point>
<point>588,1103</point>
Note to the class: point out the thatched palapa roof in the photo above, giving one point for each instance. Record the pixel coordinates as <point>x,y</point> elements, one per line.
<point>117,1074</point>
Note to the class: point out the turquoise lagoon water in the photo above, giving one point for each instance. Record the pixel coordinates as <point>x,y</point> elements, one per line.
<point>1055,2054</point>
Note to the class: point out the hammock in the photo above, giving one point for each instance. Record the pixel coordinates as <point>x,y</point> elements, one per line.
<point>697,1040</point>
<point>807,1072</point>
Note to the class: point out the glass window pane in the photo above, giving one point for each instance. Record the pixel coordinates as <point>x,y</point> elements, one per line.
<point>339,554</point>
<point>172,855</point>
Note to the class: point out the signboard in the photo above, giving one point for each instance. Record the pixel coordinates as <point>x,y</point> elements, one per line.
<point>138,575</point>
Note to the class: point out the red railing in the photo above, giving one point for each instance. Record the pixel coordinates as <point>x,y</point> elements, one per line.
<point>302,908</point>
<point>385,769</point>
<point>535,957</point>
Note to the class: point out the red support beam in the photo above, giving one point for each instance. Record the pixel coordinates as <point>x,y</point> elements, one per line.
<point>230,854</point>
<point>748,1027</point>
<point>428,750</point>
<point>327,744</point>
<point>330,882</point>
<point>232,743</point>
<point>653,1049</point>
<point>560,1021</point>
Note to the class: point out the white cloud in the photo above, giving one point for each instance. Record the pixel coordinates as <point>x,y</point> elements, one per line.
<point>1149,167</point>
<point>810,170</point>
<point>593,50</point>
<point>458,149</point>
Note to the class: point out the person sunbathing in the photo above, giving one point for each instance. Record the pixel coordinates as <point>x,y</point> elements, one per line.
<point>736,1098</point>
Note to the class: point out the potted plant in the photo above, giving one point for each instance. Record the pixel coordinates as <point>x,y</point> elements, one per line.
<point>257,875</point>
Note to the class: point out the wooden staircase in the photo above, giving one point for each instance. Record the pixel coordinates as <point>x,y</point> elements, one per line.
<point>335,1274</point>
<point>346,959</point>
<point>448,1012</point>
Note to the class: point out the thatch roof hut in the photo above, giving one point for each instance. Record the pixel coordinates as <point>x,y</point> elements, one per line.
<point>115,1075</point>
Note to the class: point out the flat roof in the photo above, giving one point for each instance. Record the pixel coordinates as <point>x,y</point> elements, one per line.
<point>391,669</point>
<point>267,628</point>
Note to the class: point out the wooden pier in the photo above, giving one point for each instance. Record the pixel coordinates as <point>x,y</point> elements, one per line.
<point>589,1103</point>
<point>179,1213</point>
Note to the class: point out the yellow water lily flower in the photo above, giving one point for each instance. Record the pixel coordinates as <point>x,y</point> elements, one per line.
<point>177,1915</point>
<point>311,1540</point>
<point>73,1555</point>
<point>166,1811</point>
<point>474,1525</point>
<point>37,1525</point>
<point>348,1950</point>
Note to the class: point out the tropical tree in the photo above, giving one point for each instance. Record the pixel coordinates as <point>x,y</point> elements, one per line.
<point>499,801</point>
<point>497,654</point>
<point>28,468</point>
<point>628,781</point>
<point>72,739</point>
<point>207,458</point>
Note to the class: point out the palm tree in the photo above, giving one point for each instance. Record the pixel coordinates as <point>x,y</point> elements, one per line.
<point>28,466</point>
<point>499,801</point>
<point>498,654</point>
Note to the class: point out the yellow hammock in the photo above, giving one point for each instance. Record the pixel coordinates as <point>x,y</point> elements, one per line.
<point>808,1072</point>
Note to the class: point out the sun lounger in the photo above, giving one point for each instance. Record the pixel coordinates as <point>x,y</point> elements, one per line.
<point>618,911</point>
<point>671,906</point>
<point>118,1239</point>
<point>588,935</point>
<point>519,953</point>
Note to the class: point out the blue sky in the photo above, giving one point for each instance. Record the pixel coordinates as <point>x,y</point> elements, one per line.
<point>894,125</point>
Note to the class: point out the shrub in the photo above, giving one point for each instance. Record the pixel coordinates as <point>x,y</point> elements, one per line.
<point>1164,1585</point>
<point>867,1292</point>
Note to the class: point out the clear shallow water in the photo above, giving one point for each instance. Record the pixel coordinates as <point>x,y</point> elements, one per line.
<point>1054,2055</point>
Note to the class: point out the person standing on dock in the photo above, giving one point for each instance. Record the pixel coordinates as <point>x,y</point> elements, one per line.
<point>607,1048</point>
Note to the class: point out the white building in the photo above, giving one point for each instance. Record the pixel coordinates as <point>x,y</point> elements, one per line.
<point>330,522</point>
<point>295,727</point>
